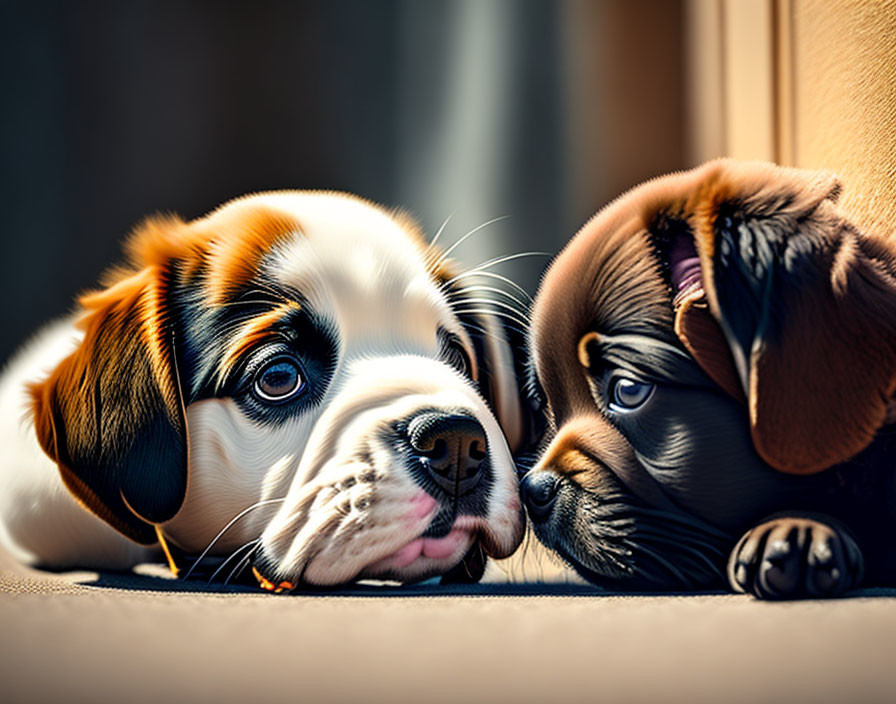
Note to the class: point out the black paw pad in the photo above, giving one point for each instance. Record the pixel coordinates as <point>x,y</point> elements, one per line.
<point>794,558</point>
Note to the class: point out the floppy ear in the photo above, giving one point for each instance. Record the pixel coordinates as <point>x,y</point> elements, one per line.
<point>111,414</point>
<point>805,307</point>
<point>505,380</point>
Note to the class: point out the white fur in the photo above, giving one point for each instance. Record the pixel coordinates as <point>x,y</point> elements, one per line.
<point>340,517</point>
<point>40,521</point>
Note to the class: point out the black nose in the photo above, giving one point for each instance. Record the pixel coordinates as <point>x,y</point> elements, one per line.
<point>452,449</point>
<point>539,490</point>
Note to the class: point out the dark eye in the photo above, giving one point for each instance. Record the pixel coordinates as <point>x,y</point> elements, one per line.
<point>628,394</point>
<point>279,380</point>
<point>456,355</point>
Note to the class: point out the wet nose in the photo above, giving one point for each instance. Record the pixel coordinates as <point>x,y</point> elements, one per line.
<point>539,490</point>
<point>451,448</point>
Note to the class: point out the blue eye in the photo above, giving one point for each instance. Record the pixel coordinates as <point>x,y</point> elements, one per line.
<point>279,380</point>
<point>628,394</point>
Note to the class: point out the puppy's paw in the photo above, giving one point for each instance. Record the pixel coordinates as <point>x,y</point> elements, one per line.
<point>795,558</point>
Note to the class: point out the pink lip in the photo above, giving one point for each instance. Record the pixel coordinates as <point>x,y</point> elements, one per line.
<point>424,507</point>
<point>434,548</point>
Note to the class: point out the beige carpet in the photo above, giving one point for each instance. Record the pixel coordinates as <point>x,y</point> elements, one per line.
<point>83,637</point>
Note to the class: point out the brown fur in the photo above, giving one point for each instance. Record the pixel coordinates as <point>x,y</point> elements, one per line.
<point>790,384</point>
<point>111,414</point>
<point>762,325</point>
<point>123,375</point>
<point>252,332</point>
<point>124,329</point>
<point>701,335</point>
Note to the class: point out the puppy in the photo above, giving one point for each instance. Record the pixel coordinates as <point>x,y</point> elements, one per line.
<point>717,349</point>
<point>295,380</point>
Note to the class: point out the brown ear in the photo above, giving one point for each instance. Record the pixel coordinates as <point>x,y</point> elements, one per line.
<point>111,414</point>
<point>701,335</point>
<point>806,305</point>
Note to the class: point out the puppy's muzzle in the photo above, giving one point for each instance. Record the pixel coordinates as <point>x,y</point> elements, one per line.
<point>539,490</point>
<point>451,450</point>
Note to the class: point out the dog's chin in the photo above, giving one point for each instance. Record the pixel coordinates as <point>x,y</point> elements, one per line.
<point>378,527</point>
<point>417,556</point>
<point>617,543</point>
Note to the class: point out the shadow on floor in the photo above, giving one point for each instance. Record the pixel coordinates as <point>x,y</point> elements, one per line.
<point>152,582</point>
<point>432,588</point>
<point>149,582</point>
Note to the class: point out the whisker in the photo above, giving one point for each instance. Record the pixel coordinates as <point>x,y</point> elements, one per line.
<point>250,544</point>
<point>483,334</point>
<point>509,257</point>
<point>245,302</point>
<point>243,564</point>
<point>696,555</point>
<point>497,314</point>
<point>233,520</point>
<point>523,306</point>
<point>490,275</point>
<point>472,232</point>
<point>684,520</point>
<point>438,234</point>
<point>274,293</point>
<point>489,301</point>
<point>480,305</point>
<point>478,331</point>
<point>660,560</point>
<point>694,560</point>
<point>679,542</point>
<point>508,320</point>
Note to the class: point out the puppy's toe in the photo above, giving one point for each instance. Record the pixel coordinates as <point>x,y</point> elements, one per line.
<point>780,570</point>
<point>834,562</point>
<point>792,558</point>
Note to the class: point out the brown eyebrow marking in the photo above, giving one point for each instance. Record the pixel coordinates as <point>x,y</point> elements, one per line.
<point>253,332</point>
<point>583,352</point>
<point>238,242</point>
<point>229,244</point>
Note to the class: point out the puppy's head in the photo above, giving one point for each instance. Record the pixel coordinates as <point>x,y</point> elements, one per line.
<point>702,341</point>
<point>293,361</point>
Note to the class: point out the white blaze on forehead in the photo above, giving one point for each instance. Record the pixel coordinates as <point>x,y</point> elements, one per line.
<point>359,266</point>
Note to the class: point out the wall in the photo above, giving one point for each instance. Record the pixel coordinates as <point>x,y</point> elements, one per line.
<point>809,83</point>
<point>536,110</point>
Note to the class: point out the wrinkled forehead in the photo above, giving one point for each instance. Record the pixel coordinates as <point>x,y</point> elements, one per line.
<point>348,260</point>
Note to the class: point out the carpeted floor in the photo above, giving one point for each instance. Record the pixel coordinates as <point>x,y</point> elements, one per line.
<point>83,637</point>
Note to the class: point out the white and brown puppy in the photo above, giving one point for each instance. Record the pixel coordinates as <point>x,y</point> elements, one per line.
<point>301,355</point>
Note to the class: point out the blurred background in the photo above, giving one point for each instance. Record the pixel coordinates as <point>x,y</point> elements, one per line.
<point>476,109</point>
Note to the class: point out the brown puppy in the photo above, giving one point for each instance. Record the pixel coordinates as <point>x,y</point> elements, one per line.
<point>718,353</point>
